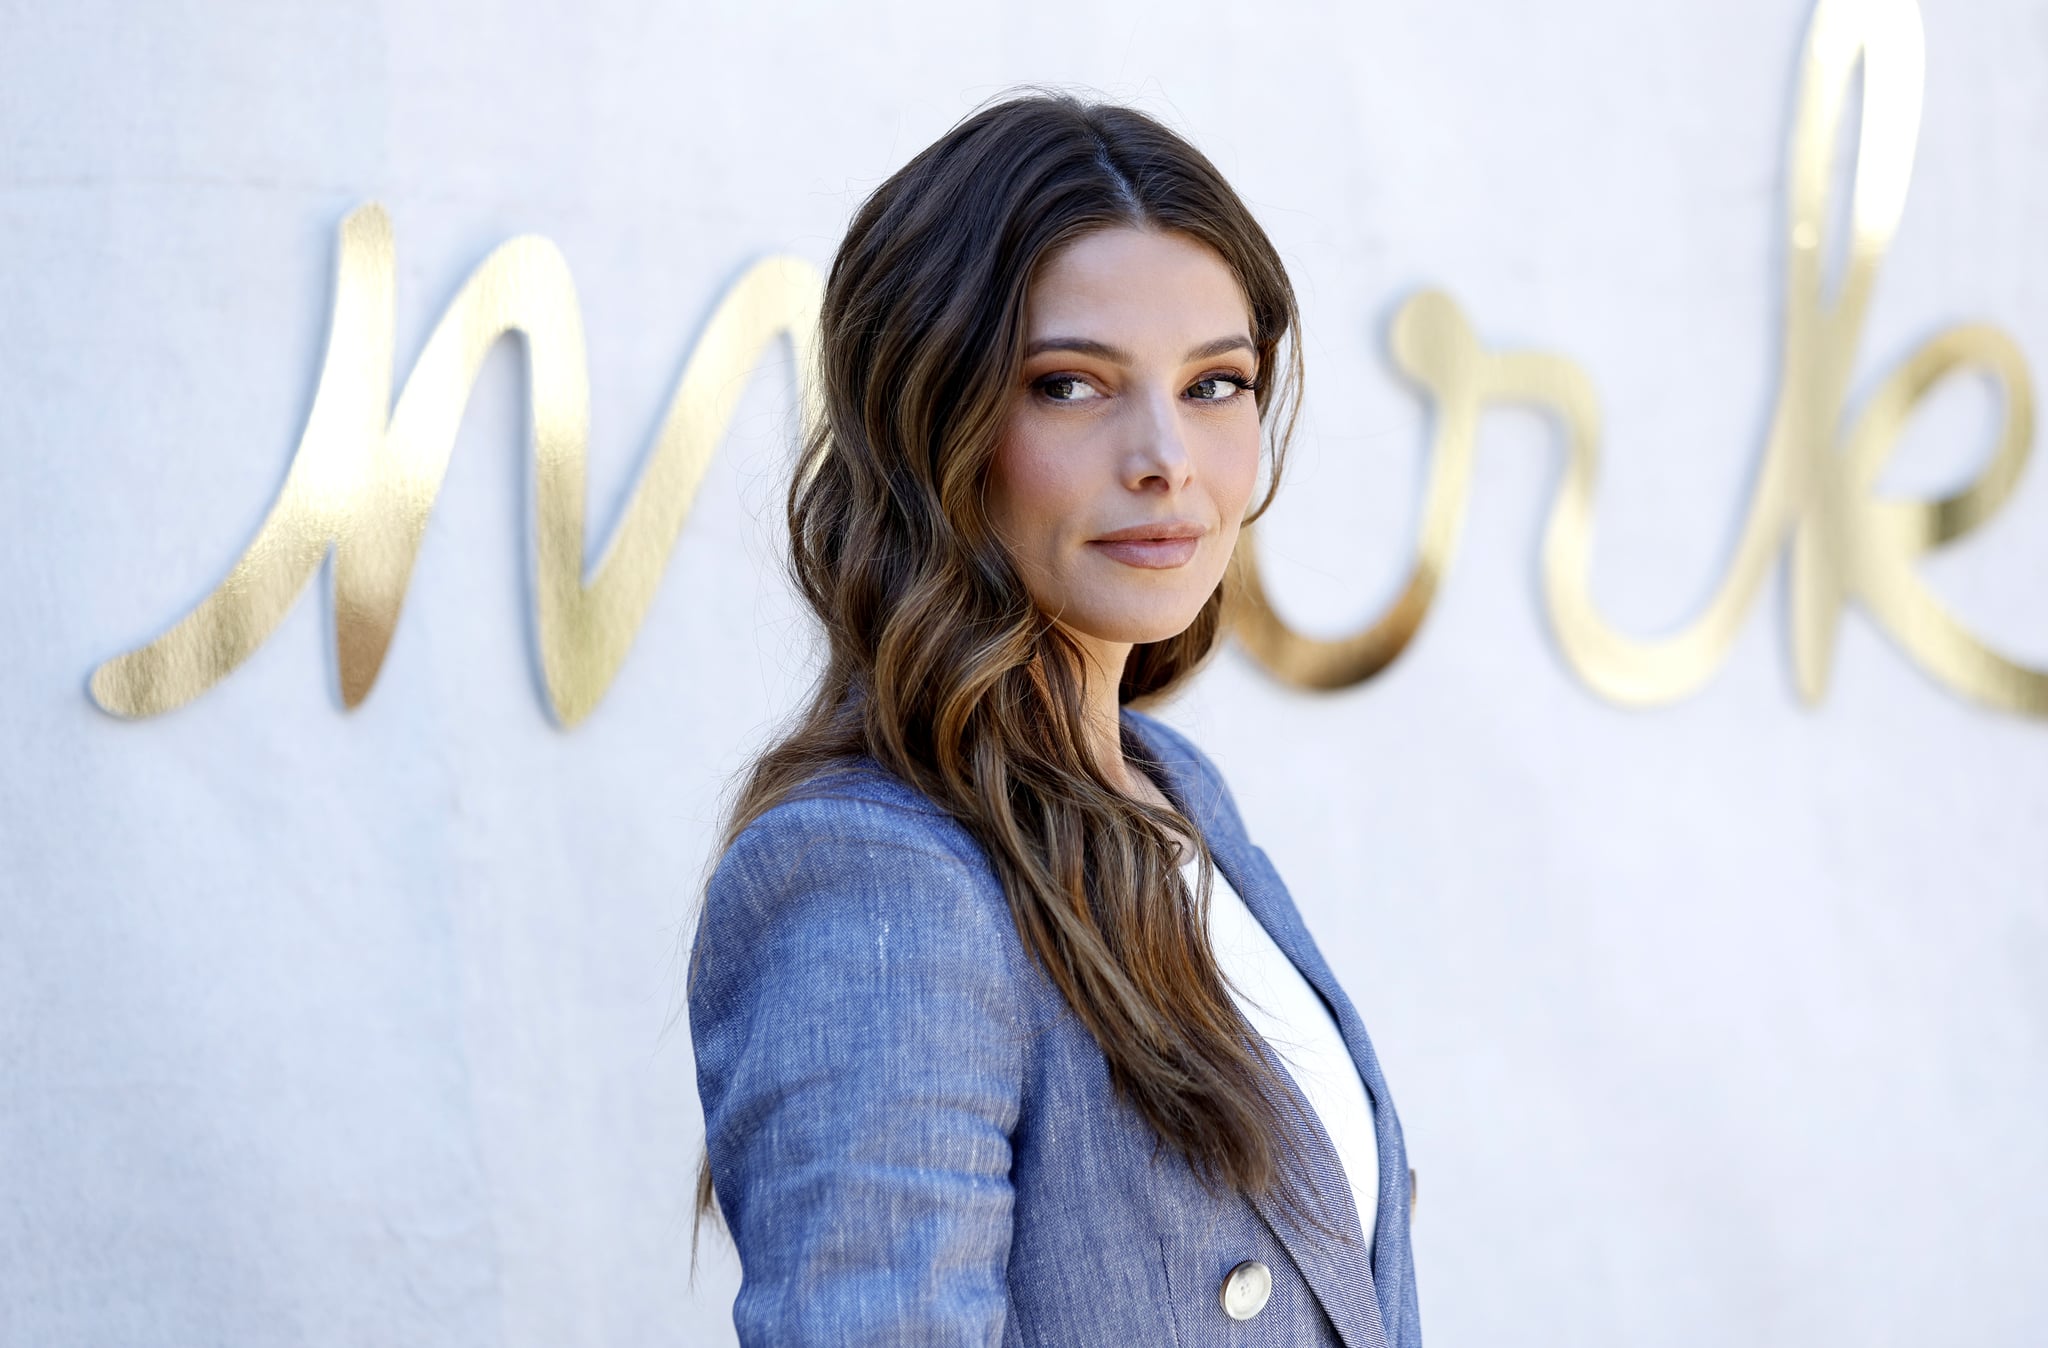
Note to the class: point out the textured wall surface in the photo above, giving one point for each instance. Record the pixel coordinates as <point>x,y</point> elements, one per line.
<point>1718,1023</point>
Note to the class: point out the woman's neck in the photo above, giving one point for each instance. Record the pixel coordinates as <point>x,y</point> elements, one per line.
<point>1102,679</point>
<point>1102,676</point>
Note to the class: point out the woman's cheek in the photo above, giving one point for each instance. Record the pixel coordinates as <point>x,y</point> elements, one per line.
<point>1238,473</point>
<point>1036,491</point>
<point>1062,489</point>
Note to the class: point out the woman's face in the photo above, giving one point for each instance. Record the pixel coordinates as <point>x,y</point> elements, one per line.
<point>1131,446</point>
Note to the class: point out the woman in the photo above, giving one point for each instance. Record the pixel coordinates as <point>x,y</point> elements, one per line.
<point>1005,1031</point>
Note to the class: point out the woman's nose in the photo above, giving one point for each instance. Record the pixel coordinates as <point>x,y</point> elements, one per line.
<point>1159,448</point>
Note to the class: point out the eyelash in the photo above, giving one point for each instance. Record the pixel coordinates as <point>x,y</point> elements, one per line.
<point>1244,385</point>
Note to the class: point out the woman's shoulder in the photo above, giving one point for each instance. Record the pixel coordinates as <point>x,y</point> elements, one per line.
<point>854,842</point>
<point>858,879</point>
<point>857,804</point>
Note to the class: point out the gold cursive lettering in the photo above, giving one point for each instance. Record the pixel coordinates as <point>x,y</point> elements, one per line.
<point>1817,479</point>
<point>365,487</point>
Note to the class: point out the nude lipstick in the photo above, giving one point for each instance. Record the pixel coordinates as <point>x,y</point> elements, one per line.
<point>1157,546</point>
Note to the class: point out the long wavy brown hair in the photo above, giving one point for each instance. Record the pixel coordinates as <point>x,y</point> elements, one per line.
<point>939,667</point>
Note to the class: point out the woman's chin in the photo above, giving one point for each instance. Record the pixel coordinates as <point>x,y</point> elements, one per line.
<point>1138,628</point>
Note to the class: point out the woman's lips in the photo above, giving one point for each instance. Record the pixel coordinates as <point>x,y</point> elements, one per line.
<point>1152,554</point>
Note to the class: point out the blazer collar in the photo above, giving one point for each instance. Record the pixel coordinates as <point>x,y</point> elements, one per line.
<point>1362,1296</point>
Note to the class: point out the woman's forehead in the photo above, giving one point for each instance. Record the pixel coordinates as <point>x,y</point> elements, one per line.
<point>1136,289</point>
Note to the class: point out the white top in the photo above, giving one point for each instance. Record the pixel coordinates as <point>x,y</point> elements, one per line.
<point>1291,1015</point>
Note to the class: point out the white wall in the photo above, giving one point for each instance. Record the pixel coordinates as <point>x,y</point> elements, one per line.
<point>1717,1023</point>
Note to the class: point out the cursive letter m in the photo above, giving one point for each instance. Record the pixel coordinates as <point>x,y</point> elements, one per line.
<point>365,486</point>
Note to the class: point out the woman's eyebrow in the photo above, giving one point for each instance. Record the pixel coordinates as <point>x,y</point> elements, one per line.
<point>1088,346</point>
<point>1221,345</point>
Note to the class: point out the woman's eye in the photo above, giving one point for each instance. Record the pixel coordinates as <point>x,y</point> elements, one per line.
<point>1218,388</point>
<point>1066,388</point>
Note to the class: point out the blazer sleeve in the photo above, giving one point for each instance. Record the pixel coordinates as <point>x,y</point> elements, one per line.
<point>854,1014</point>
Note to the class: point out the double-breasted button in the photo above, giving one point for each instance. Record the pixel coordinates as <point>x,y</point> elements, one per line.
<point>1246,1289</point>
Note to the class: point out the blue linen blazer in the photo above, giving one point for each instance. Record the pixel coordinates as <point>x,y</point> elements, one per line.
<point>914,1140</point>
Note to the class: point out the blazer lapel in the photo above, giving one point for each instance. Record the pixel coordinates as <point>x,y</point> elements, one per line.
<point>1362,1296</point>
